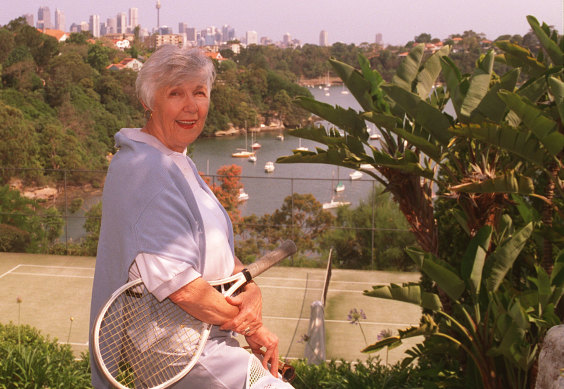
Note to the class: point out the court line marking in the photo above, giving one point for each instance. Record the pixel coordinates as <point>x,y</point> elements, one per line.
<point>317,280</point>
<point>10,271</point>
<point>51,275</point>
<point>57,267</point>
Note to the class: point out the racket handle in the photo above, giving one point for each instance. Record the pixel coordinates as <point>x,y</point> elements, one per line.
<point>270,259</point>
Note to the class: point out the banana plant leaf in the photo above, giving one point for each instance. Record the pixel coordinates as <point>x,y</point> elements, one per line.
<point>518,57</point>
<point>426,328</point>
<point>358,84</point>
<point>474,258</point>
<point>346,119</point>
<point>445,278</point>
<point>557,275</point>
<point>509,182</point>
<point>503,257</point>
<point>456,84</point>
<point>478,86</point>
<point>551,47</point>
<point>429,117</point>
<point>389,123</point>
<point>544,128</point>
<point>407,293</point>
<point>557,89</point>
<point>491,106</point>
<point>519,142</point>
<point>409,68</point>
<point>429,72</point>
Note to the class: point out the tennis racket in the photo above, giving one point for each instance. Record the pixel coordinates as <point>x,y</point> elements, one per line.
<point>139,342</point>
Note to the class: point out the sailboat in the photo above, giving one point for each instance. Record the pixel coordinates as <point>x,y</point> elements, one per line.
<point>336,203</point>
<point>243,153</point>
<point>254,145</point>
<point>340,186</point>
<point>300,147</point>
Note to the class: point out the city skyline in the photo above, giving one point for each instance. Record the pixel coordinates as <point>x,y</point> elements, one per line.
<point>397,22</point>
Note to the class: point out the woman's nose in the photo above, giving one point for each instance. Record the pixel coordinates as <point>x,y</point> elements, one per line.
<point>190,105</point>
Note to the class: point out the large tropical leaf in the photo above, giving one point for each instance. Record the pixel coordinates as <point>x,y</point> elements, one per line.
<point>519,142</point>
<point>445,278</point>
<point>358,84</point>
<point>430,118</point>
<point>345,119</point>
<point>518,57</point>
<point>456,84</point>
<point>551,47</point>
<point>429,72</point>
<point>544,128</point>
<point>474,258</point>
<point>510,182</point>
<point>426,328</point>
<point>409,68</point>
<point>503,257</point>
<point>557,275</point>
<point>407,293</point>
<point>491,106</point>
<point>478,86</point>
<point>557,89</point>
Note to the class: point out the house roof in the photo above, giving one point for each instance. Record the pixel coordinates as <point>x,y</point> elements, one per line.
<point>214,55</point>
<point>59,35</point>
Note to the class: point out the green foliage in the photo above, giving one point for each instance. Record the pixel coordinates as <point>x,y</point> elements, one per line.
<point>352,235</point>
<point>30,360</point>
<point>372,374</point>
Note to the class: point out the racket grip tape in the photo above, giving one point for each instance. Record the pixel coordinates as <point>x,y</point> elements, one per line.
<point>270,259</point>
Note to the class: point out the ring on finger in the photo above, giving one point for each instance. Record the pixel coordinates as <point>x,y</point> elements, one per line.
<point>247,330</point>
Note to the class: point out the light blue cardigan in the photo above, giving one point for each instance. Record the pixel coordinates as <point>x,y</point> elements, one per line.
<point>147,206</point>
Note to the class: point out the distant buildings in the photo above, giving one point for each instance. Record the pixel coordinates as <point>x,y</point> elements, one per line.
<point>252,38</point>
<point>378,39</point>
<point>133,18</point>
<point>94,25</point>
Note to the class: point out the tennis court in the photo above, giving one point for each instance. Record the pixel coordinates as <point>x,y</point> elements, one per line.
<point>53,289</point>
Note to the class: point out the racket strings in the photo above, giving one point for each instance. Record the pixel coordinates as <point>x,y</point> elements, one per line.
<point>144,342</point>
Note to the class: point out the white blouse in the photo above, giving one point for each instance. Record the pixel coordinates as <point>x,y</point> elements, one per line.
<point>162,275</point>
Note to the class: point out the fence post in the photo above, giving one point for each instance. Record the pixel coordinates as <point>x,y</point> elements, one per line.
<point>66,215</point>
<point>372,229</point>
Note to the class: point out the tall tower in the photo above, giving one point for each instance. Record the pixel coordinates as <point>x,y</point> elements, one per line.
<point>59,20</point>
<point>121,23</point>
<point>323,41</point>
<point>133,18</point>
<point>43,18</point>
<point>159,16</point>
<point>94,25</point>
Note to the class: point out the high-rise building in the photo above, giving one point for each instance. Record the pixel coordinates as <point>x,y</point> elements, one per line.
<point>29,19</point>
<point>133,18</point>
<point>111,26</point>
<point>182,27</point>
<point>44,18</point>
<point>94,25</point>
<point>190,34</point>
<point>252,38</point>
<point>323,41</point>
<point>121,19</point>
<point>287,39</point>
<point>378,39</point>
<point>60,20</point>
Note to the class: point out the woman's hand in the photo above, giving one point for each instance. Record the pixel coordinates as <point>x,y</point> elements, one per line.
<point>264,338</point>
<point>249,318</point>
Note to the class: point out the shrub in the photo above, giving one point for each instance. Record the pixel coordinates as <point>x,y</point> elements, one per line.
<point>13,239</point>
<point>30,360</point>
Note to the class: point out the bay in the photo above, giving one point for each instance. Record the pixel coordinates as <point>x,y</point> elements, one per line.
<point>267,191</point>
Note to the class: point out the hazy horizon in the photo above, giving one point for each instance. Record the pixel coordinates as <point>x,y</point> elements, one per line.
<point>354,21</point>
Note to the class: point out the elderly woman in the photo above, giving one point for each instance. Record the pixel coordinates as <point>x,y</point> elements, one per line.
<point>161,222</point>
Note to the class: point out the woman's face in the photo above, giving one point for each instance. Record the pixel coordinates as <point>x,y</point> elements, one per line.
<point>179,114</point>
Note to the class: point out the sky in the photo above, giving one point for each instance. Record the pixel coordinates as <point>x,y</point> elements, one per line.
<point>347,21</point>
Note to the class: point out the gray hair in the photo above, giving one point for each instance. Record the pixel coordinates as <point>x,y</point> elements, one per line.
<point>169,66</point>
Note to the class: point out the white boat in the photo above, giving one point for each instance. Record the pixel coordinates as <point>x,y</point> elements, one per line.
<point>375,136</point>
<point>253,158</point>
<point>242,154</point>
<point>280,137</point>
<point>366,166</point>
<point>356,175</point>
<point>300,147</point>
<point>340,187</point>
<point>243,196</point>
<point>256,146</point>
<point>335,204</point>
<point>269,167</point>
